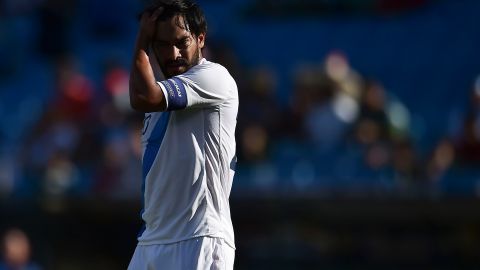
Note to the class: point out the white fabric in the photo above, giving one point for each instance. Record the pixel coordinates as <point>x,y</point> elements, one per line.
<point>187,186</point>
<point>195,254</point>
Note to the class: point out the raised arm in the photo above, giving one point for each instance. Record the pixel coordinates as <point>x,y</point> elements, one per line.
<point>145,93</point>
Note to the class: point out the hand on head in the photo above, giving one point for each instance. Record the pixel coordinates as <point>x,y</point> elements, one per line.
<point>148,19</point>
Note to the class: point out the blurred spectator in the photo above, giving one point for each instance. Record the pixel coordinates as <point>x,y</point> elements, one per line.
<point>381,133</point>
<point>382,118</point>
<point>60,176</point>
<point>62,132</point>
<point>116,83</point>
<point>468,141</point>
<point>338,68</point>
<point>311,88</point>
<point>328,99</point>
<point>75,92</point>
<point>372,124</point>
<point>440,161</point>
<point>16,250</point>
<point>50,144</point>
<point>406,162</point>
<point>378,160</point>
<point>117,173</point>
<point>119,129</point>
<point>468,146</point>
<point>254,142</point>
<point>260,116</point>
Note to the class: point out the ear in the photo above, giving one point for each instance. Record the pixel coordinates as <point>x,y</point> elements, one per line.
<point>201,40</point>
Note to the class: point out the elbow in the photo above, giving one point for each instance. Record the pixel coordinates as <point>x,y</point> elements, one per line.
<point>145,104</point>
<point>137,104</point>
<point>134,104</point>
<point>137,101</point>
<point>134,100</point>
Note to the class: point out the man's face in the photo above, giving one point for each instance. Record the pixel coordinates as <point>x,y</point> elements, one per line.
<point>176,49</point>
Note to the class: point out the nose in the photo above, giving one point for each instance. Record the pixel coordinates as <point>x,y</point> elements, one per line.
<point>174,53</point>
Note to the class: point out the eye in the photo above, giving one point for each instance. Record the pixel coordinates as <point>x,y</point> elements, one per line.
<point>184,43</point>
<point>160,43</point>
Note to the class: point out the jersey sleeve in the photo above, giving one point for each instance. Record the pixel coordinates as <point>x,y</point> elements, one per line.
<point>175,94</point>
<point>197,89</point>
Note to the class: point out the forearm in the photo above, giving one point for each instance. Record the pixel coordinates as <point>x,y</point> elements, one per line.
<point>145,93</point>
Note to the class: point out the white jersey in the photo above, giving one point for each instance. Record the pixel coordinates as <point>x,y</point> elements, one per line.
<point>189,158</point>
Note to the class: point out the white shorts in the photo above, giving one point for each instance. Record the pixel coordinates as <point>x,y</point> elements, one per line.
<point>195,254</point>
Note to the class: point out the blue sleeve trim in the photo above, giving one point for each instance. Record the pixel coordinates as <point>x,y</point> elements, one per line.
<point>176,94</point>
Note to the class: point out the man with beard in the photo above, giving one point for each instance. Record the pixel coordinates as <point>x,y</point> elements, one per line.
<point>188,143</point>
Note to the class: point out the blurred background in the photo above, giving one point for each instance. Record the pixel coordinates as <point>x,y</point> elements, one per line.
<point>358,132</point>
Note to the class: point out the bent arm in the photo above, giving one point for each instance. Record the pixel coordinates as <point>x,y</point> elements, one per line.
<point>145,93</point>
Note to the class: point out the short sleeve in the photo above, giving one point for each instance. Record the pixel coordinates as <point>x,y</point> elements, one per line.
<point>201,87</point>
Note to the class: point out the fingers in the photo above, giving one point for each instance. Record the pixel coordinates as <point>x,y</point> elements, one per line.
<point>148,23</point>
<point>157,12</point>
<point>150,14</point>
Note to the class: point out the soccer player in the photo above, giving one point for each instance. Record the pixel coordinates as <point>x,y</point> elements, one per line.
<point>188,143</point>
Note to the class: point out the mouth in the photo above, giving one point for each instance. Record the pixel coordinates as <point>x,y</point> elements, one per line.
<point>177,63</point>
<point>176,68</point>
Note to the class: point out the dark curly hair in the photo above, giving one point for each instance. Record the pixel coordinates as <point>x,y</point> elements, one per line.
<point>193,16</point>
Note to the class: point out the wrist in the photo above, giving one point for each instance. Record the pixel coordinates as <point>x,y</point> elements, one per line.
<point>143,41</point>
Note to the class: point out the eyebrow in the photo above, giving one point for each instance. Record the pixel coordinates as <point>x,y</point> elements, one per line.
<point>176,40</point>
